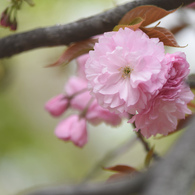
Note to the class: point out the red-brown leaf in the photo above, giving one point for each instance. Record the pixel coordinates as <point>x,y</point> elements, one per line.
<point>191,104</point>
<point>184,122</point>
<point>150,13</point>
<point>121,169</point>
<point>163,34</point>
<point>74,51</point>
<point>134,25</point>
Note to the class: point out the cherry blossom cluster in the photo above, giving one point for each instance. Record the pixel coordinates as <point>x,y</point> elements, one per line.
<point>128,72</point>
<point>77,97</point>
<point>127,75</point>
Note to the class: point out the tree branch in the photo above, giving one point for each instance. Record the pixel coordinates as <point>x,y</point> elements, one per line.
<point>76,31</point>
<point>173,175</point>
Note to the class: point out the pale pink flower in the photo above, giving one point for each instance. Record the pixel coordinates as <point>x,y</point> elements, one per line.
<point>96,114</point>
<point>57,105</point>
<point>78,86</point>
<point>73,129</point>
<point>162,115</point>
<point>170,103</point>
<point>125,70</point>
<point>81,61</point>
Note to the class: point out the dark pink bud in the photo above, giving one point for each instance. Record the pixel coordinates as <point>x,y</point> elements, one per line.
<point>13,25</point>
<point>57,105</point>
<point>5,20</point>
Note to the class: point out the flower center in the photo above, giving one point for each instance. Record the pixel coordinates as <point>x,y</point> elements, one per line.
<point>126,71</point>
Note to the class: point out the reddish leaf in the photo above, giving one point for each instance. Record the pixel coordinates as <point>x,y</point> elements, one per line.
<point>178,28</point>
<point>74,51</point>
<point>116,176</point>
<point>121,169</point>
<point>149,157</point>
<point>134,25</point>
<point>163,34</point>
<point>191,104</point>
<point>150,13</point>
<point>184,122</point>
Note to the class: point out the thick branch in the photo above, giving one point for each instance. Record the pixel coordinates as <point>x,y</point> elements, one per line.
<point>174,175</point>
<point>76,31</point>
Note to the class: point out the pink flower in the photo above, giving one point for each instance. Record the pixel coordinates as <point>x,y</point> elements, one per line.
<point>57,105</point>
<point>125,70</point>
<point>95,113</point>
<point>73,129</point>
<point>163,113</point>
<point>81,61</point>
<point>178,68</point>
<point>170,103</point>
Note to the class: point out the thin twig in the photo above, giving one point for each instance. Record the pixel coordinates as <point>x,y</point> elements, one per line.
<point>146,145</point>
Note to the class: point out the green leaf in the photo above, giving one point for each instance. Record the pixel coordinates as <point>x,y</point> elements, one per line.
<point>137,20</point>
<point>134,25</point>
<point>30,2</point>
<point>75,50</point>
<point>149,13</point>
<point>149,157</point>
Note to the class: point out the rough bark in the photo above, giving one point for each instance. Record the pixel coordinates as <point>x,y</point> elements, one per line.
<point>76,31</point>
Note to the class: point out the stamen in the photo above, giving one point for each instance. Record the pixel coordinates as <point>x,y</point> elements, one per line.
<point>126,71</point>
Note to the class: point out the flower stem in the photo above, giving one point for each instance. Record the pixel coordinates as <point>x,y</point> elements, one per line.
<point>146,145</point>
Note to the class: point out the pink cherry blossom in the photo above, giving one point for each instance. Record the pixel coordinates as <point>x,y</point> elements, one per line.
<point>73,129</point>
<point>81,61</point>
<point>57,105</point>
<point>125,70</point>
<point>78,86</point>
<point>162,115</point>
<point>170,102</point>
<point>96,114</point>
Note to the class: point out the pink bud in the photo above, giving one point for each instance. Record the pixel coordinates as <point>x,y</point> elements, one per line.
<point>5,21</point>
<point>57,105</point>
<point>4,17</point>
<point>13,25</point>
<point>73,129</point>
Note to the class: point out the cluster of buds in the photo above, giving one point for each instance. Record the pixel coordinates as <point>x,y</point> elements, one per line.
<point>77,97</point>
<point>7,20</point>
<point>8,16</point>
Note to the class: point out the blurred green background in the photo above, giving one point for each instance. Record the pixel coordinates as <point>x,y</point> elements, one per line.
<point>30,154</point>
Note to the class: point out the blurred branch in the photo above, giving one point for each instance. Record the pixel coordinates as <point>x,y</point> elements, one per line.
<point>76,31</point>
<point>173,175</point>
<point>110,156</point>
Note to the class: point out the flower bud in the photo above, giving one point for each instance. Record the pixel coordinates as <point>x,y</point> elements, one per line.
<point>57,105</point>
<point>13,25</point>
<point>73,129</point>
